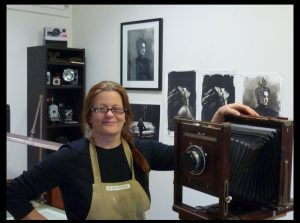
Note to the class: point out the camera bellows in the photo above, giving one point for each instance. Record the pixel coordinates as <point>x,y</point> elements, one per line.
<point>255,163</point>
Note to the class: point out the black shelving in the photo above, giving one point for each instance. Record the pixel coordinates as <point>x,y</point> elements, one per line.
<point>64,87</point>
<point>70,125</point>
<point>45,68</point>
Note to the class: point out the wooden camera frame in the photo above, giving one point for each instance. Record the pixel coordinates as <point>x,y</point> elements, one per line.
<point>214,139</point>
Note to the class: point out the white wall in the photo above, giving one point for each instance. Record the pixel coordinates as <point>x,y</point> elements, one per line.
<point>25,26</point>
<point>200,37</point>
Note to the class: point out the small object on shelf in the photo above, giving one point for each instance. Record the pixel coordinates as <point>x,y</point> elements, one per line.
<point>76,60</point>
<point>53,113</point>
<point>70,77</point>
<point>55,57</point>
<point>67,114</point>
<point>54,36</point>
<point>48,78</point>
<point>56,80</point>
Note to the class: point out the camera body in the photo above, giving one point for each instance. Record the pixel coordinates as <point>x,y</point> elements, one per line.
<point>55,33</point>
<point>206,160</point>
<point>67,114</point>
<point>56,81</point>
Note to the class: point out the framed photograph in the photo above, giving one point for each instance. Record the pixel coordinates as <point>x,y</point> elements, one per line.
<point>141,54</point>
<point>146,121</point>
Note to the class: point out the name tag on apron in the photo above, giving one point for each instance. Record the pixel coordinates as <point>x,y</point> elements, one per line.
<point>118,187</point>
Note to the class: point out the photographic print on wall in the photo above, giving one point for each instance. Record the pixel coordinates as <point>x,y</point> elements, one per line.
<point>263,94</point>
<point>146,121</point>
<point>181,96</point>
<point>141,54</point>
<point>217,90</point>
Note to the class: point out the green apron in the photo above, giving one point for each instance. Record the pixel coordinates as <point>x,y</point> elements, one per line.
<point>120,200</point>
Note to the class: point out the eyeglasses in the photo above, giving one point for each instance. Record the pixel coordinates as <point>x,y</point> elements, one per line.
<point>104,110</point>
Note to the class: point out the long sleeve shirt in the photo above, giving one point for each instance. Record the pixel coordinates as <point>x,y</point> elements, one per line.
<point>70,169</point>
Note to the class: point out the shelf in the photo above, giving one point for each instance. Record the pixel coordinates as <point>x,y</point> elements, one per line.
<point>65,87</point>
<point>63,125</point>
<point>40,61</point>
<point>59,48</point>
<point>65,64</point>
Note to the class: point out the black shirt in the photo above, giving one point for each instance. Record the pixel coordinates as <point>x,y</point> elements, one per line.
<point>143,69</point>
<point>114,165</point>
<point>70,168</point>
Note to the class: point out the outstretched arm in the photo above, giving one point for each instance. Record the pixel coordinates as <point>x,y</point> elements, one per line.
<point>232,109</point>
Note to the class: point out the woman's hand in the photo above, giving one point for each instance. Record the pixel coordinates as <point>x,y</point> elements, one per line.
<point>34,215</point>
<point>232,109</point>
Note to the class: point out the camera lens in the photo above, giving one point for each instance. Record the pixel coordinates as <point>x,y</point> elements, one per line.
<point>193,159</point>
<point>188,160</point>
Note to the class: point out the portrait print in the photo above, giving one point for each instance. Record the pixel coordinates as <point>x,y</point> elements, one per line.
<point>262,93</point>
<point>141,54</point>
<point>181,96</point>
<point>217,90</point>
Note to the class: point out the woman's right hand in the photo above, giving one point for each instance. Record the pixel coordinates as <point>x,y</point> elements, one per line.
<point>232,109</point>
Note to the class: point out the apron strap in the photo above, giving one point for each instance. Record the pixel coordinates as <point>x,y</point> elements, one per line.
<point>128,154</point>
<point>94,160</point>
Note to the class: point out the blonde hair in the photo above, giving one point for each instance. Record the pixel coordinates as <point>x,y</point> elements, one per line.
<point>125,133</point>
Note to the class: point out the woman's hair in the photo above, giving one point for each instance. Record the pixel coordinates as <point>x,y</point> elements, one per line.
<point>125,133</point>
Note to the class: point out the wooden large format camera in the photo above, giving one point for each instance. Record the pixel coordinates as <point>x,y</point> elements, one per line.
<point>245,162</point>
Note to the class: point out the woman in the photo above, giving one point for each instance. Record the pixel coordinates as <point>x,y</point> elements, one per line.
<point>103,175</point>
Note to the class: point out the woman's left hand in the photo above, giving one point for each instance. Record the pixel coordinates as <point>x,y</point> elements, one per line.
<point>232,109</point>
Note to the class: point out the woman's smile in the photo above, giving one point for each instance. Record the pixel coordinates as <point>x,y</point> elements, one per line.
<point>108,123</point>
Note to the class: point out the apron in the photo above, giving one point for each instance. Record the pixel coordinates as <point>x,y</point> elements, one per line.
<point>119,200</point>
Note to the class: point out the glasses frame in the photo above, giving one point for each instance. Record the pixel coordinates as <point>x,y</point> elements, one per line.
<point>97,111</point>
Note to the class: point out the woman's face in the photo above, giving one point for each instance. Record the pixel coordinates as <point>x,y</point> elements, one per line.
<point>264,99</point>
<point>142,49</point>
<point>107,124</point>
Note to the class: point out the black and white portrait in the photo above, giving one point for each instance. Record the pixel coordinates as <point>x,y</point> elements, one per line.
<point>217,90</point>
<point>262,93</point>
<point>181,96</point>
<point>140,55</point>
<point>146,121</point>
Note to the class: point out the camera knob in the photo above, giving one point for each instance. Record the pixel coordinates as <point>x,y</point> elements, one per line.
<point>193,159</point>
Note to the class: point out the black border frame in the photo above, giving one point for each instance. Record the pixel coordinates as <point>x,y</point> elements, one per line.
<point>160,54</point>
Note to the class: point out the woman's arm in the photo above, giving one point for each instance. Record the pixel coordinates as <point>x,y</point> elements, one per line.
<point>42,177</point>
<point>232,109</point>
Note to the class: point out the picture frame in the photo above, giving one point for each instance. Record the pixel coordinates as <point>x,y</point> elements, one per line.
<point>146,121</point>
<point>141,54</point>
